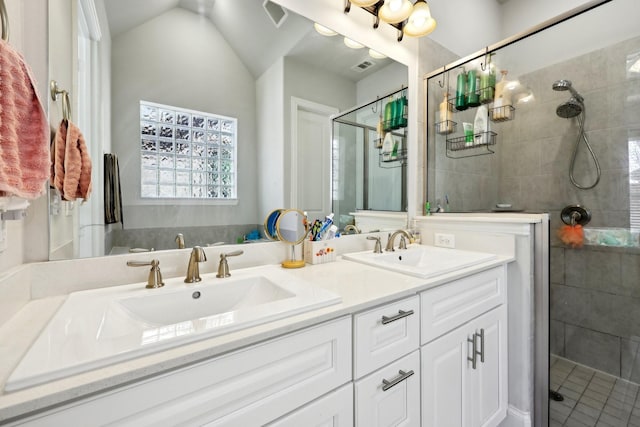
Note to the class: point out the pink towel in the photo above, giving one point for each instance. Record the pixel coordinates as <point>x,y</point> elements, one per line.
<point>71,164</point>
<point>24,132</point>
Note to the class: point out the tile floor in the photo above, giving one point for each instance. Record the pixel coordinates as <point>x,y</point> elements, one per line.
<point>591,398</point>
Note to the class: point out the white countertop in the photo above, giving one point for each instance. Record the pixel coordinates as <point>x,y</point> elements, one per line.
<point>360,286</point>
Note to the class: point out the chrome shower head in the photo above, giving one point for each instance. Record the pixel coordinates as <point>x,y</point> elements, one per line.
<point>562,85</point>
<point>570,109</point>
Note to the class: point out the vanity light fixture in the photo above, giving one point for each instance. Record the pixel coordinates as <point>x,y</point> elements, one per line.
<point>352,43</point>
<point>412,19</point>
<point>395,11</point>
<point>420,22</point>
<point>321,29</point>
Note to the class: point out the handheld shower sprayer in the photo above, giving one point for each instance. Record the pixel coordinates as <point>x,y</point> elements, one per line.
<point>574,107</point>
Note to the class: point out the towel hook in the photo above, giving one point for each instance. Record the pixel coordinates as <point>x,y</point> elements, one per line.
<point>4,19</point>
<point>66,103</point>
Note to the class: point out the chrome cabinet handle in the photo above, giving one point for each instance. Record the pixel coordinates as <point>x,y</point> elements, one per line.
<point>481,352</point>
<point>472,358</point>
<point>386,384</point>
<point>401,314</point>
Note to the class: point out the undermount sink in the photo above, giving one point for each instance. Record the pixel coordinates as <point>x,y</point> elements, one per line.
<point>421,260</point>
<point>99,327</point>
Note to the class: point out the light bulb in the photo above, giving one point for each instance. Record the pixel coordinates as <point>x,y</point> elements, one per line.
<point>375,54</point>
<point>364,3</point>
<point>394,11</point>
<point>420,22</point>
<point>352,43</point>
<point>324,30</point>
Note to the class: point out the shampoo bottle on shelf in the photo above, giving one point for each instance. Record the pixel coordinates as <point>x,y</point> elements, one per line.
<point>502,100</point>
<point>487,82</point>
<point>461,91</point>
<point>473,97</point>
<point>388,115</point>
<point>379,133</point>
<point>481,126</point>
<point>387,147</point>
<point>445,116</point>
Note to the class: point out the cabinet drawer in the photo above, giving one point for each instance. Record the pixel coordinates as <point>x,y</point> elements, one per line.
<point>390,396</point>
<point>332,410</point>
<point>247,387</point>
<point>448,306</point>
<point>384,334</point>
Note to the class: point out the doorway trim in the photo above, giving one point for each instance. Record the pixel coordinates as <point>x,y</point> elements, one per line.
<point>297,105</point>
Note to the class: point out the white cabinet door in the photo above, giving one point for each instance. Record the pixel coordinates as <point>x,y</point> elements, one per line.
<point>456,392</point>
<point>444,380</point>
<point>390,396</point>
<point>489,399</point>
<point>332,410</point>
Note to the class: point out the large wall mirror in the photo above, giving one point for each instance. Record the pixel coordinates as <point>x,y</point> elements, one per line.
<point>233,59</point>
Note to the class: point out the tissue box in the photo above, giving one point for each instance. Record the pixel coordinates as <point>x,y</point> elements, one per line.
<point>319,252</point>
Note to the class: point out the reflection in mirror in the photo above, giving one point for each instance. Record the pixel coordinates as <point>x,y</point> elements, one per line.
<point>292,228</point>
<point>195,57</point>
<point>370,158</point>
<point>270,221</point>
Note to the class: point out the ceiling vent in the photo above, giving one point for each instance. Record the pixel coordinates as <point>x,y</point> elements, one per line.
<point>364,65</point>
<point>276,13</point>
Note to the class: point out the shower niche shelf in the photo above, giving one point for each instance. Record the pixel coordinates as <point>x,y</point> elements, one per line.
<point>460,147</point>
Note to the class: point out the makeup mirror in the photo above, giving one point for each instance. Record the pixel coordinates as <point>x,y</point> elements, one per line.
<point>291,227</point>
<point>270,221</point>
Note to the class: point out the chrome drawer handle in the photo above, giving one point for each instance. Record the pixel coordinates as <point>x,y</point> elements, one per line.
<point>401,314</point>
<point>386,385</point>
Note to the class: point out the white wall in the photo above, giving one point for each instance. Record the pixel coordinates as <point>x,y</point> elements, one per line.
<point>384,81</point>
<point>270,137</point>
<point>28,35</point>
<point>176,59</point>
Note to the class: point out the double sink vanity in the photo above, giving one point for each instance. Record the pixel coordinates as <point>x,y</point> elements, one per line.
<point>411,337</point>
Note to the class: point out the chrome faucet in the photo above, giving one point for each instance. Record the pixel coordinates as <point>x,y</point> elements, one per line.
<point>180,240</point>
<point>193,269</point>
<point>351,227</point>
<point>155,277</point>
<point>378,247</point>
<point>403,242</point>
<point>223,267</point>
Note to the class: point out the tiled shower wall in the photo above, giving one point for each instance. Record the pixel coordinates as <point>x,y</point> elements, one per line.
<point>595,290</point>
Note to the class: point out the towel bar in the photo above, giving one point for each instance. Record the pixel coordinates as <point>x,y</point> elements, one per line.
<point>4,19</point>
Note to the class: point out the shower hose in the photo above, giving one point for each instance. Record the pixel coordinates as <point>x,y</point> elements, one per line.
<point>583,136</point>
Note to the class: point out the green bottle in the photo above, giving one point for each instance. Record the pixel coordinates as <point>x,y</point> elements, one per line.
<point>461,91</point>
<point>488,82</point>
<point>473,99</point>
<point>404,116</point>
<point>388,115</point>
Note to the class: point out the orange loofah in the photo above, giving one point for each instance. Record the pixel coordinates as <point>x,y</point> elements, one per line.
<point>572,235</point>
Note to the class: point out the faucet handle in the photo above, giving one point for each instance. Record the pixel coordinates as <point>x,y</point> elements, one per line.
<point>155,277</point>
<point>378,247</point>
<point>223,267</point>
<point>180,240</point>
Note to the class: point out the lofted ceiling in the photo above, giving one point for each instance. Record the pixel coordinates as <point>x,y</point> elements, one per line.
<point>249,30</point>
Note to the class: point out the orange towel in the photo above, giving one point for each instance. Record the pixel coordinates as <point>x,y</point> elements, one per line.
<point>71,166</point>
<point>24,131</point>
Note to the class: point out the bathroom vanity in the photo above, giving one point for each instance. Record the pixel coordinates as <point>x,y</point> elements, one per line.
<point>397,349</point>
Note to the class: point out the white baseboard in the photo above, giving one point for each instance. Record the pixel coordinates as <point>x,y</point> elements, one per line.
<point>517,418</point>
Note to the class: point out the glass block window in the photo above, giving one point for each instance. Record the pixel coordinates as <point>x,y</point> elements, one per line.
<point>187,154</point>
